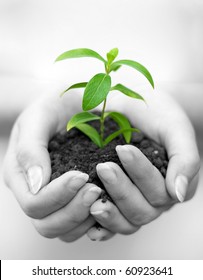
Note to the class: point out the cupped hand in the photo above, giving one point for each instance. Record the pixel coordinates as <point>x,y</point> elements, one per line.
<point>144,194</point>
<point>60,208</point>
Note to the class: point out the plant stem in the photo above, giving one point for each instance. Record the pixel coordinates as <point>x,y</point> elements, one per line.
<point>103,112</point>
<point>102,121</point>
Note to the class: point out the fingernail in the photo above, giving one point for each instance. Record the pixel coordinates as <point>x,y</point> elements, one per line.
<point>91,195</point>
<point>34,176</point>
<point>106,173</point>
<point>98,239</point>
<point>94,234</point>
<point>101,213</point>
<point>79,180</point>
<point>95,239</point>
<point>181,185</point>
<point>124,153</point>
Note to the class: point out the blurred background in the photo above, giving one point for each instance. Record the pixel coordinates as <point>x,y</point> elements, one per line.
<point>166,37</point>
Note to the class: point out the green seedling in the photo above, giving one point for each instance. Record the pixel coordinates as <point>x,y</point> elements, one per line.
<point>96,91</point>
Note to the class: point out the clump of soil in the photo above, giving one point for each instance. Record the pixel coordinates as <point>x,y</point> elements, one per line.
<point>75,151</point>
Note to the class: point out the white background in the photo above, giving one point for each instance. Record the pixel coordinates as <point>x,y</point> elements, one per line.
<point>166,36</point>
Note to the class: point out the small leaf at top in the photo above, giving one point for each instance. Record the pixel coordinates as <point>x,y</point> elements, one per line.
<point>75,53</point>
<point>96,91</point>
<point>112,55</point>
<point>81,118</point>
<point>139,67</point>
<point>78,85</point>
<point>91,132</point>
<point>123,123</point>
<point>115,67</point>
<point>127,91</point>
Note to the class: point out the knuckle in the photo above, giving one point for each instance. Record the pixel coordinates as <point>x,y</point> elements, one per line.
<point>197,164</point>
<point>128,231</point>
<point>68,238</point>
<point>193,187</point>
<point>149,172</point>
<point>193,163</point>
<point>8,170</point>
<point>75,219</point>
<point>159,201</point>
<point>6,177</point>
<point>22,155</point>
<point>30,208</point>
<point>43,230</point>
<point>121,196</point>
<point>59,202</point>
<point>141,219</point>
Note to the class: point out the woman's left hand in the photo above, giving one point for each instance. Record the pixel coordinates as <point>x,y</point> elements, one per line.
<point>144,194</point>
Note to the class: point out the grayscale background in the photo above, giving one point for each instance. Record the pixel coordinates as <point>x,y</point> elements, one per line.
<point>166,36</point>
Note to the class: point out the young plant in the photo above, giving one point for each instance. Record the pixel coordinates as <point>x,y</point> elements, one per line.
<point>96,92</point>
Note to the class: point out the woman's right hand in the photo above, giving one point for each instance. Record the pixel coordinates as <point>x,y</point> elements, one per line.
<point>60,208</point>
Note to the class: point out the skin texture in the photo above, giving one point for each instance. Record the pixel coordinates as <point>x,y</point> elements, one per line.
<point>68,206</point>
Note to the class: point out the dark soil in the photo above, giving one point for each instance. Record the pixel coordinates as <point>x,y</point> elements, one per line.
<point>74,151</point>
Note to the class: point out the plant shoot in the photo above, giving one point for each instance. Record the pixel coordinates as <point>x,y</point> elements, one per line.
<point>96,91</point>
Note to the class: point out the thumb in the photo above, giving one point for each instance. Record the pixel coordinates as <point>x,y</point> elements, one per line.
<point>35,161</point>
<point>184,161</point>
<point>34,129</point>
<point>182,176</point>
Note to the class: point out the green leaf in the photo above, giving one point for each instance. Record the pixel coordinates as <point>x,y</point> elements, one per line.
<point>75,53</point>
<point>112,55</point>
<point>81,118</point>
<point>115,67</point>
<point>139,67</point>
<point>117,133</point>
<point>123,123</point>
<point>127,91</point>
<point>78,85</point>
<point>96,91</point>
<point>91,133</point>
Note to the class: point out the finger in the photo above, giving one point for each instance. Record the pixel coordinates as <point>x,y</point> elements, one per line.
<point>99,234</point>
<point>70,216</point>
<point>34,130</point>
<point>108,215</point>
<point>184,161</point>
<point>79,231</point>
<point>144,175</point>
<point>126,195</point>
